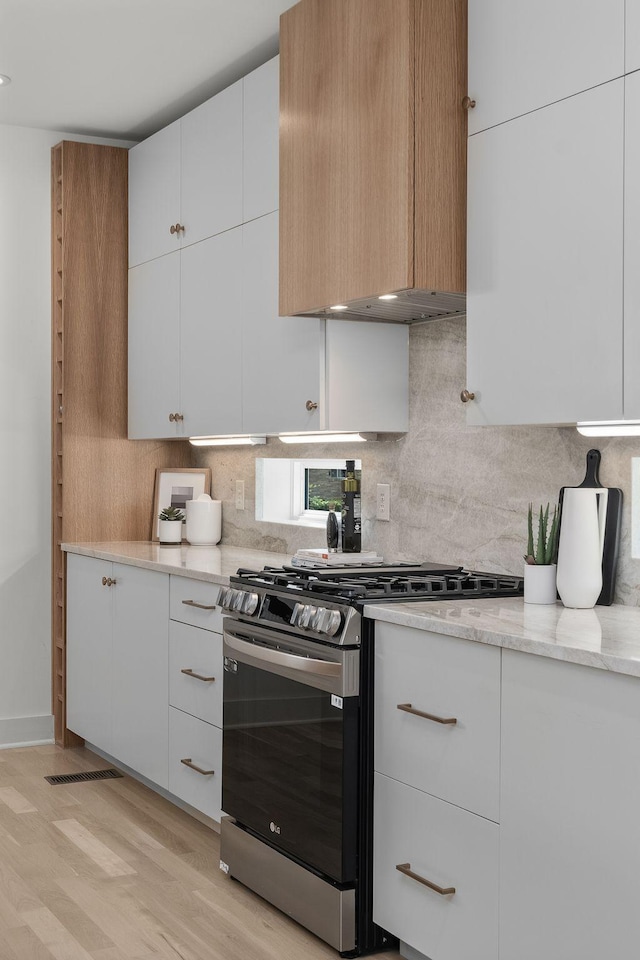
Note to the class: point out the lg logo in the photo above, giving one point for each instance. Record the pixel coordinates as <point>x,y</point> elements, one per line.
<point>274,828</point>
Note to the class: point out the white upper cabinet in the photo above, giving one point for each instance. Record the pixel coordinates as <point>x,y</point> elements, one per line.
<point>524,55</point>
<point>632,36</point>
<point>280,355</point>
<point>260,135</point>
<point>632,248</point>
<point>211,170</point>
<point>185,182</point>
<point>210,335</point>
<point>154,348</point>
<point>545,270</point>
<point>154,195</point>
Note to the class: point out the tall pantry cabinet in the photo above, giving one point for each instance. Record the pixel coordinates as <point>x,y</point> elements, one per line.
<point>102,483</point>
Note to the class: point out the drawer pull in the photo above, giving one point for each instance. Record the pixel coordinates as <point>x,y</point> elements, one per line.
<point>405,868</point>
<point>200,606</point>
<point>428,716</point>
<point>196,676</point>
<point>188,762</point>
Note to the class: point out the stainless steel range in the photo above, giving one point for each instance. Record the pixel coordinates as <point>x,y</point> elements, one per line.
<point>297,778</point>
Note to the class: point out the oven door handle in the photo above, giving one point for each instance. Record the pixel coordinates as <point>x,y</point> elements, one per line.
<point>253,655</point>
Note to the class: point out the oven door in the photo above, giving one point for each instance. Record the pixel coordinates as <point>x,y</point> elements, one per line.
<point>290,745</point>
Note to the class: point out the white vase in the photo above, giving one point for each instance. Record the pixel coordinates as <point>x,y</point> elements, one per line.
<point>204,518</point>
<point>539,583</point>
<point>582,527</point>
<point>170,531</point>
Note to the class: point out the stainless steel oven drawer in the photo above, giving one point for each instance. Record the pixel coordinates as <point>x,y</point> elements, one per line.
<point>316,904</point>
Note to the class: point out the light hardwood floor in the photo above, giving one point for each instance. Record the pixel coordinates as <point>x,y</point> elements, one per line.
<point>109,870</point>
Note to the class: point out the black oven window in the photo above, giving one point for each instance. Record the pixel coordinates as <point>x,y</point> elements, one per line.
<point>289,767</point>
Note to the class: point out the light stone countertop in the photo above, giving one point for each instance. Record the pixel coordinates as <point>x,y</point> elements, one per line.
<point>604,637</point>
<point>215,564</point>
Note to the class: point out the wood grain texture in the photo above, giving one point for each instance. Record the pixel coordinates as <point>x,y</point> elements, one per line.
<point>102,483</point>
<point>346,151</point>
<point>57,901</point>
<point>440,144</point>
<point>370,101</point>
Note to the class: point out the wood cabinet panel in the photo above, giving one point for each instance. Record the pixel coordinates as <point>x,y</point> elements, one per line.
<point>346,151</point>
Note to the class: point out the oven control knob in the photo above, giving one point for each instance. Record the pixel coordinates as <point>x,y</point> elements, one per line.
<point>238,597</point>
<point>222,597</point>
<point>295,616</point>
<point>327,621</point>
<point>249,603</point>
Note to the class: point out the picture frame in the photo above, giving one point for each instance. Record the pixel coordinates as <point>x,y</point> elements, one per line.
<point>173,487</point>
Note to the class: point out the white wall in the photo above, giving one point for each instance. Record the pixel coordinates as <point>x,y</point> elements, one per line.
<point>25,318</point>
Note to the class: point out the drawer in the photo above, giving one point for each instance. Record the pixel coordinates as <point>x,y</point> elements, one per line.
<point>195,602</point>
<point>201,744</point>
<point>448,846</point>
<point>200,652</point>
<point>447,678</point>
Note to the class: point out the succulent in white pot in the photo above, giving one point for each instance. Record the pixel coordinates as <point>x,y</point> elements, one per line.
<point>170,525</point>
<point>540,558</point>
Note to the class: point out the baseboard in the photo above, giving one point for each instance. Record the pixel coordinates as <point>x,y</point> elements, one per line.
<point>25,731</point>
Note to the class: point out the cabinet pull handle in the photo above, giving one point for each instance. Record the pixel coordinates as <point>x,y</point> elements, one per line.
<point>405,868</point>
<point>176,228</point>
<point>196,676</point>
<point>468,103</point>
<point>107,582</point>
<point>175,417</point>
<point>466,395</point>
<point>428,716</point>
<point>188,762</point>
<point>311,405</point>
<point>200,606</point>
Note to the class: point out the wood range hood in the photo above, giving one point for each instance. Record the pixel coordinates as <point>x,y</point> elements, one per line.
<point>373,126</point>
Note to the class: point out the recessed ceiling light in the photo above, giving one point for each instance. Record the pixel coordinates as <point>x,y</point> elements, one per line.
<point>388,296</point>
<point>4,80</point>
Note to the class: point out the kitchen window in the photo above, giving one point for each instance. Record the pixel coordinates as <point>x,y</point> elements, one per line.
<point>298,491</point>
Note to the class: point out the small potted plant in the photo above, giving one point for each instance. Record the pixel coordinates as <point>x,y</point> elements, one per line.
<point>540,559</point>
<point>170,526</point>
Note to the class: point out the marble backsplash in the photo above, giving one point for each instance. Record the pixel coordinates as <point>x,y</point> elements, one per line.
<point>459,494</point>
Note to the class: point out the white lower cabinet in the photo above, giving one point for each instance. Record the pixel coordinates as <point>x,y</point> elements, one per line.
<point>452,849</point>
<point>117,661</point>
<point>195,762</point>
<point>142,687</point>
<point>89,650</point>
<point>570,828</point>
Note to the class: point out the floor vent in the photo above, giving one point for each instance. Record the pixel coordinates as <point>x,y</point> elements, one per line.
<point>83,777</point>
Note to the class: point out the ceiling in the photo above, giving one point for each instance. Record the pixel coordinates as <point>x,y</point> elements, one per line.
<point>125,68</point>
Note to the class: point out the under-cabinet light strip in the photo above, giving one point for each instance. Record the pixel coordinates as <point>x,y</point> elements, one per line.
<point>610,428</point>
<point>226,441</point>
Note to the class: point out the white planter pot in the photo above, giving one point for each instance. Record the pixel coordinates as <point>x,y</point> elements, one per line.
<point>170,531</point>
<point>539,583</point>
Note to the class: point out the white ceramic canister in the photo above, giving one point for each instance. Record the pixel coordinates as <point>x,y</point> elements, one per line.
<point>582,527</point>
<point>204,521</point>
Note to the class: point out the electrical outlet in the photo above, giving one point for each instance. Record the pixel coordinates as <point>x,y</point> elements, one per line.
<point>239,494</point>
<point>382,507</point>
